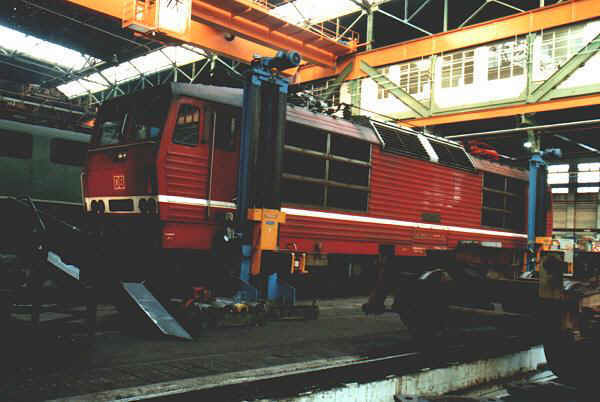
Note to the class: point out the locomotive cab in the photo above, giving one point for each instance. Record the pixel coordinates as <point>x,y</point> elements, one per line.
<point>155,147</point>
<point>161,170</point>
<point>121,170</point>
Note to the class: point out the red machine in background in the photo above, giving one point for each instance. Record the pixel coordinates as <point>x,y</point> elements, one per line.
<point>482,150</point>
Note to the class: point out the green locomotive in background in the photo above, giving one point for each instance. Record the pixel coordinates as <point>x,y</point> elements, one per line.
<point>43,163</point>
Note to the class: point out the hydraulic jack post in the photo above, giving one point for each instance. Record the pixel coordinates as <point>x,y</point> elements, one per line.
<point>259,177</point>
<point>537,206</point>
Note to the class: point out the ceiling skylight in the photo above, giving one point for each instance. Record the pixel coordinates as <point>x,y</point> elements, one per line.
<point>38,49</point>
<point>310,12</point>
<point>152,62</point>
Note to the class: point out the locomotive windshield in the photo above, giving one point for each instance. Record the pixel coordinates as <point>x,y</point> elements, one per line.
<point>130,120</point>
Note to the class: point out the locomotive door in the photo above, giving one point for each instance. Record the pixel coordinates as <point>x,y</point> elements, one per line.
<point>221,132</point>
<point>199,160</point>
<point>184,162</point>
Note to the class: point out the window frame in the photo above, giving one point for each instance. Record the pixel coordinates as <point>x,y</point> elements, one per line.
<point>514,52</point>
<point>455,65</point>
<point>413,77</point>
<point>506,194</point>
<point>325,181</point>
<point>574,37</point>
<point>55,158</point>
<point>200,124</point>
<point>214,114</point>
<point>24,139</point>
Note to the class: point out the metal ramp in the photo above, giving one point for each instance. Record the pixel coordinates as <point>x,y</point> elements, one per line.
<point>57,262</point>
<point>167,324</point>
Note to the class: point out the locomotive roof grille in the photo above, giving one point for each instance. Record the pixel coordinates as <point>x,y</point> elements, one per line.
<point>397,141</point>
<point>451,155</point>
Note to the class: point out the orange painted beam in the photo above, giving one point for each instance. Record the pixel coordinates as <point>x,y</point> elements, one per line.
<point>256,31</point>
<point>505,111</point>
<point>518,24</point>
<point>253,22</point>
<point>201,35</point>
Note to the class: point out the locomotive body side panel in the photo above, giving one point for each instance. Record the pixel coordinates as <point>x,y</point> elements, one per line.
<point>414,205</point>
<point>406,188</point>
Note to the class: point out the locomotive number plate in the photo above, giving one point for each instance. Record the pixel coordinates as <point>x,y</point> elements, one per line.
<point>119,182</point>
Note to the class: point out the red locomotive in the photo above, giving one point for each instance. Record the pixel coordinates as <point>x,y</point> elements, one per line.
<point>162,170</point>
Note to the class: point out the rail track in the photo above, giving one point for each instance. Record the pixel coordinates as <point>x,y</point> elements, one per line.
<point>290,380</point>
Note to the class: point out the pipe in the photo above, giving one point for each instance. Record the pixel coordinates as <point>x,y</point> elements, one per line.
<point>522,129</point>
<point>55,108</point>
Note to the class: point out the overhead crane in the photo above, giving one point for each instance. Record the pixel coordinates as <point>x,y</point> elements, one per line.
<point>242,29</point>
<point>237,29</point>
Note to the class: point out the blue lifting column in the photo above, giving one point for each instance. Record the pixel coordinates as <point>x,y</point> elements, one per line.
<point>536,208</point>
<point>535,164</point>
<point>261,146</point>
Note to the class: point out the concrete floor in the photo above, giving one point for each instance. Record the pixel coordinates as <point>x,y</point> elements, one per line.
<point>63,366</point>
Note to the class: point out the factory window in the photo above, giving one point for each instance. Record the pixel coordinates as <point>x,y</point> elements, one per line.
<point>187,125</point>
<point>67,152</point>
<point>383,93</point>
<point>560,44</point>
<point>507,59</point>
<point>328,91</point>
<point>414,77</point>
<point>325,169</point>
<point>588,172</point>
<point>558,174</point>
<point>15,145</point>
<point>457,69</point>
<point>503,202</point>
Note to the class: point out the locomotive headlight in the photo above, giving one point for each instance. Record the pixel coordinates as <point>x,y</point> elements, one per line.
<point>143,205</point>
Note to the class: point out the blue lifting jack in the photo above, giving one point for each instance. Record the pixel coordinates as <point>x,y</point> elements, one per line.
<point>258,213</point>
<point>537,205</point>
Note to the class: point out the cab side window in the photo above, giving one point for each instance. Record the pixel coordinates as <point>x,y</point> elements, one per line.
<point>186,130</point>
<point>228,127</point>
<point>225,125</point>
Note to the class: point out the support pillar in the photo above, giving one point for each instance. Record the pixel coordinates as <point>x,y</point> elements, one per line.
<point>446,15</point>
<point>370,28</point>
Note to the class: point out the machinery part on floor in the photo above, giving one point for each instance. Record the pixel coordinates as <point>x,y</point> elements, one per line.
<point>570,317</point>
<point>39,264</point>
<point>155,311</point>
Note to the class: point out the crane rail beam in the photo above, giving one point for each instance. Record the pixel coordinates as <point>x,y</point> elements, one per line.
<point>256,31</point>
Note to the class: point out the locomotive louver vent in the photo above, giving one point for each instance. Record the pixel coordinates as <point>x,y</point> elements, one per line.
<point>402,143</point>
<point>452,156</point>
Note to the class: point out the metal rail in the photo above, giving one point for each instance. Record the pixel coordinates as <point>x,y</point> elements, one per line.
<point>295,378</point>
<point>524,129</point>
